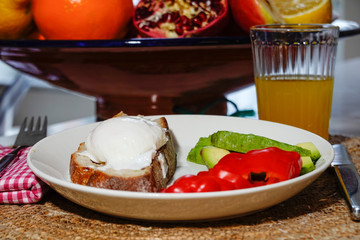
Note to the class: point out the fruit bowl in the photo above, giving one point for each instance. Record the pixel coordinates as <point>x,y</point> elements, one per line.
<point>147,76</point>
<point>143,75</point>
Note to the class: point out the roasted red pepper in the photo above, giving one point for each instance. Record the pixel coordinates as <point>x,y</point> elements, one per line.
<point>237,171</point>
<point>203,182</point>
<point>273,163</point>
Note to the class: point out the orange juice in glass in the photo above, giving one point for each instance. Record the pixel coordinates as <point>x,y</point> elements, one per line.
<point>294,74</point>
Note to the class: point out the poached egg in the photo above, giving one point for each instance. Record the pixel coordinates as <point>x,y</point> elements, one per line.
<point>126,142</point>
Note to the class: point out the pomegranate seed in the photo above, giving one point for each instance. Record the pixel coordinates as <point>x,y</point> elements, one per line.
<point>142,12</point>
<point>165,18</point>
<point>217,7</point>
<point>174,16</point>
<point>178,20</point>
<point>179,31</point>
<point>184,20</point>
<point>188,27</point>
<point>211,18</point>
<point>202,16</point>
<point>152,24</point>
<point>197,21</point>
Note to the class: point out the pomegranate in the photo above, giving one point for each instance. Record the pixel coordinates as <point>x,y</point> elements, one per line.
<point>180,18</point>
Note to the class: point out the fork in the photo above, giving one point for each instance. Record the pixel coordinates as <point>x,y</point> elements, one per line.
<point>27,136</point>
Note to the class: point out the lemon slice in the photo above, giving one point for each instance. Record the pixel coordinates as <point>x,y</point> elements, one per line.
<point>303,11</point>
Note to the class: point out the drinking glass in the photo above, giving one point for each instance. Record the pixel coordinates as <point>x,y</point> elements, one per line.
<point>294,73</point>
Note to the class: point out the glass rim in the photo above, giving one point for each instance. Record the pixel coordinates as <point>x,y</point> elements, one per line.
<point>290,27</point>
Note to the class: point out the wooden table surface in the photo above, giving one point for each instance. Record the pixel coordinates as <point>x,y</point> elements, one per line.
<point>318,212</point>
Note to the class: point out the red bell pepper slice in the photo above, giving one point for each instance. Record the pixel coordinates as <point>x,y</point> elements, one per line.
<point>279,165</point>
<point>203,182</point>
<point>238,171</point>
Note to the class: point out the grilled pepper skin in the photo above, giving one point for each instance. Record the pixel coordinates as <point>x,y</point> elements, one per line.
<point>237,171</point>
<point>278,164</point>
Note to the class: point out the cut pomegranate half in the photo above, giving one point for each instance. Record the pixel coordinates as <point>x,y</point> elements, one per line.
<point>180,18</point>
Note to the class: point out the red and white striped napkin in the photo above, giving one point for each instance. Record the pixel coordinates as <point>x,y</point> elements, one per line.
<point>18,184</point>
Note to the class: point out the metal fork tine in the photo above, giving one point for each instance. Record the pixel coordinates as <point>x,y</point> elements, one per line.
<point>26,137</point>
<point>22,130</point>
<point>44,127</point>
<point>23,125</point>
<point>31,124</point>
<point>38,122</point>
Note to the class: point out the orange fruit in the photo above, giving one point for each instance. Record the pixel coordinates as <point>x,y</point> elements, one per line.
<point>15,19</point>
<point>82,19</point>
<point>304,11</point>
<point>247,13</point>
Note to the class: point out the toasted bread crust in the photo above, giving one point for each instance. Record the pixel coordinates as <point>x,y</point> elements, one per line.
<point>150,179</point>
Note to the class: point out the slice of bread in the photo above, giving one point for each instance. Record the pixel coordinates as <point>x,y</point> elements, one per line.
<point>149,179</point>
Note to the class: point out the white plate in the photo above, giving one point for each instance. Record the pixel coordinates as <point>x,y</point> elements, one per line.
<point>49,159</point>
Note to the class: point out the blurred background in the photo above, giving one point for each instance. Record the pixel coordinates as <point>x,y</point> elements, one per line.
<point>65,108</point>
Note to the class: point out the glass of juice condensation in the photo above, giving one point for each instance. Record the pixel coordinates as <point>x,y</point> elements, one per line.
<point>294,73</point>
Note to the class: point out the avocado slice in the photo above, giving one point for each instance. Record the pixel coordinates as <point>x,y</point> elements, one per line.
<point>239,142</point>
<point>314,152</point>
<point>307,165</point>
<point>212,155</point>
<point>194,154</point>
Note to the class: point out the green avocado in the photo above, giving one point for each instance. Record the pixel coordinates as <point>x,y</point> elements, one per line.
<point>194,154</point>
<point>212,155</point>
<point>314,152</point>
<point>243,143</point>
<point>307,165</point>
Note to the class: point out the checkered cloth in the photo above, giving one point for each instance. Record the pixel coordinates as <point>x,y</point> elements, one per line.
<point>18,184</point>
